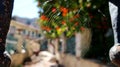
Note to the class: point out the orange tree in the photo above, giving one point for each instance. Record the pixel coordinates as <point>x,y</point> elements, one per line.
<point>70,16</point>
<point>63,16</point>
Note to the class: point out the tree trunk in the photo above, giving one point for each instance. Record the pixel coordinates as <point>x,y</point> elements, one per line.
<point>63,40</point>
<point>55,42</point>
<point>6,7</point>
<point>82,40</point>
<point>51,47</point>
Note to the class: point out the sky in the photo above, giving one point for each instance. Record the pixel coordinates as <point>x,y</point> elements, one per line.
<point>25,8</point>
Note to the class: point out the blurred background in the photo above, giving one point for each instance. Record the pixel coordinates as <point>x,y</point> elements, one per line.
<point>79,30</point>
